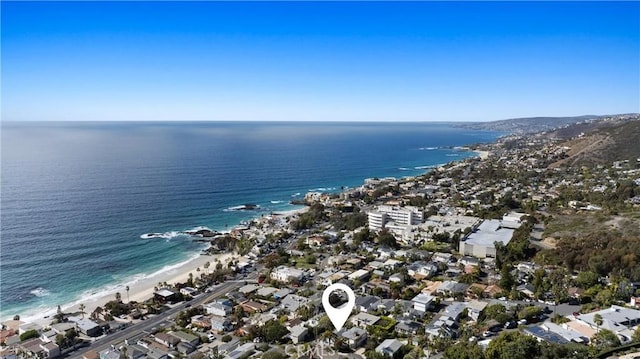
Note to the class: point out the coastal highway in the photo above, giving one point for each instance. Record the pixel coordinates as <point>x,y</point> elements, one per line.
<point>156,321</point>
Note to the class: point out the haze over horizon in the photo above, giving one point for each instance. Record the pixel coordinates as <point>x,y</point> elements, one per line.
<point>318,61</point>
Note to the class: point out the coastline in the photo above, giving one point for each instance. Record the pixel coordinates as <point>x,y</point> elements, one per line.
<point>141,286</point>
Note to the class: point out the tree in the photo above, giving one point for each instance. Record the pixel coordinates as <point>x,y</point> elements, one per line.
<point>127,289</point>
<point>464,350</point>
<point>506,280</point>
<point>598,320</point>
<point>605,339</point>
<point>273,331</point>
<point>636,335</point>
<point>29,334</point>
<point>386,238</point>
<point>587,279</point>
<point>118,297</point>
<point>207,264</point>
<point>513,345</point>
<point>82,308</point>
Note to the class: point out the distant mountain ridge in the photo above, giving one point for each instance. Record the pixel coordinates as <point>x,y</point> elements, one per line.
<point>519,126</point>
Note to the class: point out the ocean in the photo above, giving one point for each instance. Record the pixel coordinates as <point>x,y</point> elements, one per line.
<point>76,197</point>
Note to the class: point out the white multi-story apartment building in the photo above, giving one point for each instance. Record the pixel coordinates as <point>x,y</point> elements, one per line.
<point>403,216</point>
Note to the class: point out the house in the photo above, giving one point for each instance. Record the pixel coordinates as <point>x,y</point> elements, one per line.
<point>476,291</point>
<point>442,327</point>
<point>422,268</point>
<point>25,327</point>
<point>253,306</point>
<point>355,337</point>
<point>282,293</point>
<point>287,274</point>
<point>390,347</point>
<point>266,291</point>
<point>526,289</point>
<point>220,307</point>
<point>366,303</point>
<point>167,340</point>
<point>87,327</point>
<point>422,302</point>
<point>189,291</point>
<point>442,257</point>
<point>615,318</point>
<point>186,337</point>
<point>243,351</point>
<point>364,320</point>
<point>220,324</point>
<point>396,278</point>
<point>39,349</point>
<point>292,302</point>
<point>201,321</point>
<point>165,295</point>
<point>316,241</point>
<point>248,289</point>
<point>452,288</point>
<point>469,261</point>
<point>454,310</point>
<point>359,275</point>
<point>474,308</point>
<point>112,353</point>
<point>298,333</point>
<point>408,327</point>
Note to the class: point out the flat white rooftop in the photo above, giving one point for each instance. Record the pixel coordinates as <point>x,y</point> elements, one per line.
<point>488,232</point>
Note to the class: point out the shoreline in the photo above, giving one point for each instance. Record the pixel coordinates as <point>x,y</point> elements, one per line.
<point>142,285</point>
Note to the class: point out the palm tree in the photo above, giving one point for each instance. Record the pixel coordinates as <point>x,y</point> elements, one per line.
<point>206,267</point>
<point>598,320</point>
<point>118,297</point>
<point>82,308</point>
<point>127,289</point>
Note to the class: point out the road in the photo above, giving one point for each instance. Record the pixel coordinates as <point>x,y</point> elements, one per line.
<point>148,324</point>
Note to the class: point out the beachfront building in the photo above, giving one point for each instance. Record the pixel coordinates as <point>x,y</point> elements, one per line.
<point>481,242</point>
<point>287,274</point>
<point>38,348</point>
<point>165,295</point>
<point>400,218</point>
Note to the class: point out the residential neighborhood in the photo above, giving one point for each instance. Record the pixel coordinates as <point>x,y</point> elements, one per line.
<point>466,258</point>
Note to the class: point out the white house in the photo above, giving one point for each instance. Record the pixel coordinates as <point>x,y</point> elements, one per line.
<point>422,302</point>
<point>221,309</point>
<point>389,347</point>
<point>286,274</point>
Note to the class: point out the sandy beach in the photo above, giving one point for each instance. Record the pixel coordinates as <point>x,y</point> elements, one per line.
<point>142,287</point>
<point>483,154</point>
<point>139,289</point>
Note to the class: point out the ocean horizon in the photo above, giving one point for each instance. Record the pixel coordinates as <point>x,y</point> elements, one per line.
<point>78,196</point>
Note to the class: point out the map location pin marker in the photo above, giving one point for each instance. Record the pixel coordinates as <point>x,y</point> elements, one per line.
<point>339,315</point>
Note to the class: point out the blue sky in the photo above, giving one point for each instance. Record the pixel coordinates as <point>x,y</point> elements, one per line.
<point>322,61</point>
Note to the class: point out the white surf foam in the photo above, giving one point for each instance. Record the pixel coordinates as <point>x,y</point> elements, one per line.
<point>40,292</point>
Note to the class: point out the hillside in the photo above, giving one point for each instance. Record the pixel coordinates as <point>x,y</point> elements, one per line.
<point>605,143</point>
<point>519,126</point>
